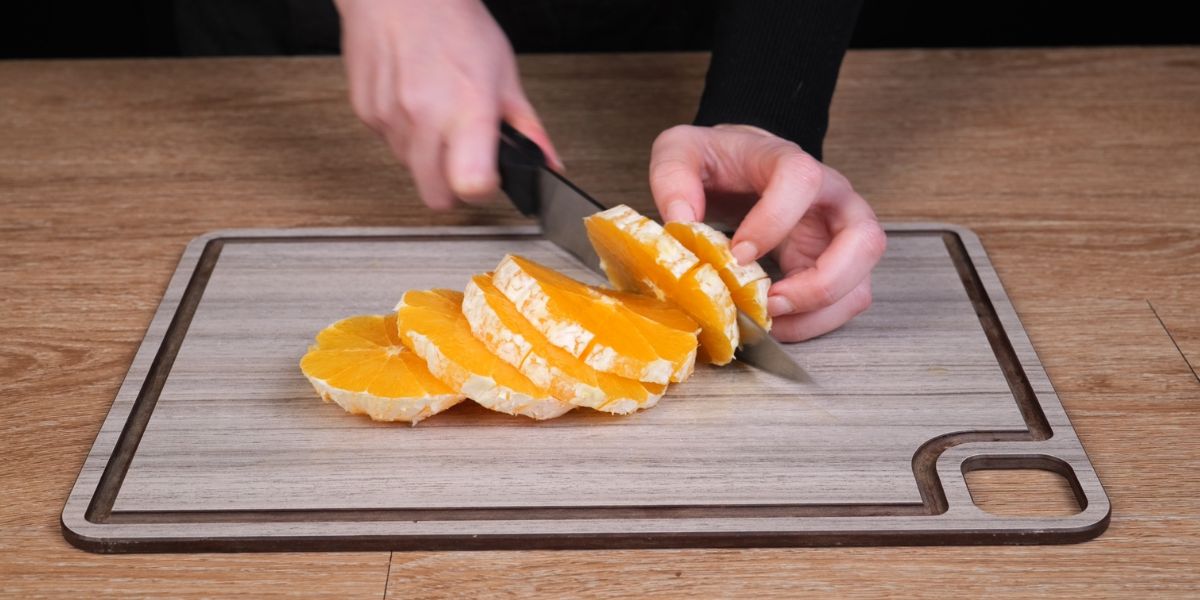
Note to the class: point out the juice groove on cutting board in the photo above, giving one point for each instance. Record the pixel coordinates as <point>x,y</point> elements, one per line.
<point>936,378</point>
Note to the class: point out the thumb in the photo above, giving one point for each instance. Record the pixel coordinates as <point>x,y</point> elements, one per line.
<point>676,173</point>
<point>470,161</point>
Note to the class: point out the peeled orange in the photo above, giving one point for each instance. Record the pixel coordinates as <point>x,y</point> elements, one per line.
<point>360,364</point>
<point>748,284</point>
<point>638,255</point>
<point>431,324</point>
<point>496,322</point>
<point>595,327</point>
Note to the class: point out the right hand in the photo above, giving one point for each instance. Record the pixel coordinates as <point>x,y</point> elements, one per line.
<point>434,79</point>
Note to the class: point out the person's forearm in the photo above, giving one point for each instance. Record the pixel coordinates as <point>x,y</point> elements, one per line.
<point>775,64</point>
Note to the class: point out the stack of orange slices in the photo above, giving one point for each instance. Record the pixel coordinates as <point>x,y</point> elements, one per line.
<point>527,340</point>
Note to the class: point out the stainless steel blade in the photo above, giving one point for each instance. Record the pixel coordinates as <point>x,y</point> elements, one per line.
<point>562,210</point>
<point>761,350</point>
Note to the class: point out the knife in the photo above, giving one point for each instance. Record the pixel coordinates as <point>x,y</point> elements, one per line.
<point>560,207</point>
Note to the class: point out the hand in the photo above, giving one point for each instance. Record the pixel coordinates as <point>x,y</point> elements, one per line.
<point>435,79</point>
<point>824,235</point>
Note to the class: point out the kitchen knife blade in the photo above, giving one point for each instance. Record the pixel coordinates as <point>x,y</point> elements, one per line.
<point>560,207</point>
<point>536,190</point>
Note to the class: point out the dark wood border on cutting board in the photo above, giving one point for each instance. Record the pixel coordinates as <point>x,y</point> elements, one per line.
<point>98,510</point>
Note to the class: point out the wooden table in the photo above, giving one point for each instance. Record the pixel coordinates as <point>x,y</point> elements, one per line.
<point>1080,169</point>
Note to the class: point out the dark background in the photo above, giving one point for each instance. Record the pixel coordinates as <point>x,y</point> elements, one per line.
<point>116,28</point>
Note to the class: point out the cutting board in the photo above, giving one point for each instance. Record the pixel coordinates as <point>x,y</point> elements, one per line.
<point>215,440</point>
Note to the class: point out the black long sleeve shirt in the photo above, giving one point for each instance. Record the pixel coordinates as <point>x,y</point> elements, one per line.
<point>774,62</point>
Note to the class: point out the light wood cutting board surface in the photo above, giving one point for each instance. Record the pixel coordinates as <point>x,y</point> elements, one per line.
<point>215,440</point>
<point>1078,168</point>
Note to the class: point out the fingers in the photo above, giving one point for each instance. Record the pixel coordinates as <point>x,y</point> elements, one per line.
<point>800,327</point>
<point>793,183</point>
<point>434,79</point>
<point>858,243</point>
<point>471,155</point>
<point>424,158</point>
<point>677,173</point>
<point>520,114</point>
<point>805,209</point>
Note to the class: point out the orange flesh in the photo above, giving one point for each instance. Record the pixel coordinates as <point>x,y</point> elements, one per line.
<point>568,378</point>
<point>439,318</point>
<point>654,309</point>
<point>639,256</point>
<point>432,325</point>
<point>603,332</point>
<point>360,354</point>
<point>747,283</point>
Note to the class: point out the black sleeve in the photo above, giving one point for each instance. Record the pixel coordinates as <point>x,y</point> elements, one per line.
<point>774,65</point>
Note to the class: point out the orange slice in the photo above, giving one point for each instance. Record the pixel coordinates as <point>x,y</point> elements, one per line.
<point>360,364</point>
<point>654,309</point>
<point>496,322</point>
<point>747,283</point>
<point>596,328</point>
<point>639,256</point>
<point>431,323</point>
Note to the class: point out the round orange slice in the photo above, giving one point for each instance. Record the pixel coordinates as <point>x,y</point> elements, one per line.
<point>638,256</point>
<point>360,364</point>
<point>431,324</point>
<point>748,284</point>
<point>496,322</point>
<point>598,329</point>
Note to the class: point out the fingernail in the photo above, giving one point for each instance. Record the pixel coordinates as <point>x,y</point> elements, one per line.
<point>681,211</point>
<point>778,305</point>
<point>745,252</point>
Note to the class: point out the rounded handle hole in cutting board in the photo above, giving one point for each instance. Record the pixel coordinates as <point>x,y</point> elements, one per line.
<point>1023,486</point>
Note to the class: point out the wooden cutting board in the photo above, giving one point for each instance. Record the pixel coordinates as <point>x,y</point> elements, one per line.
<point>216,441</point>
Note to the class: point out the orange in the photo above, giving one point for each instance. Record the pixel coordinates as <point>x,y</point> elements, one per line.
<point>748,284</point>
<point>654,309</point>
<point>594,327</point>
<point>431,324</point>
<point>360,364</point>
<point>638,256</point>
<point>496,322</point>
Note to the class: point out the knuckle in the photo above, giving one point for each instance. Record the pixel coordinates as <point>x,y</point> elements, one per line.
<point>875,240</point>
<point>416,102</point>
<point>390,116</point>
<point>364,109</point>
<point>832,176</point>
<point>861,300</point>
<point>805,168</point>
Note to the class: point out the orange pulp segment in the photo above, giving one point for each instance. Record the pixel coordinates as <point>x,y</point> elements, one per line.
<point>638,256</point>
<point>747,283</point>
<point>654,309</point>
<point>360,364</point>
<point>596,328</point>
<point>496,322</point>
<point>431,324</point>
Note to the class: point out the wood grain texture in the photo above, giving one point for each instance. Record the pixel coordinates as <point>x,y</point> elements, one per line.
<point>213,420</point>
<point>1178,318</point>
<point>1041,492</point>
<point>1077,167</point>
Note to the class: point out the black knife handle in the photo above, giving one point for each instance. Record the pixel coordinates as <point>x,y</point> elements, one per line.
<point>519,160</point>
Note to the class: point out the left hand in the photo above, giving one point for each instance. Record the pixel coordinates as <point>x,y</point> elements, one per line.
<point>824,235</point>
